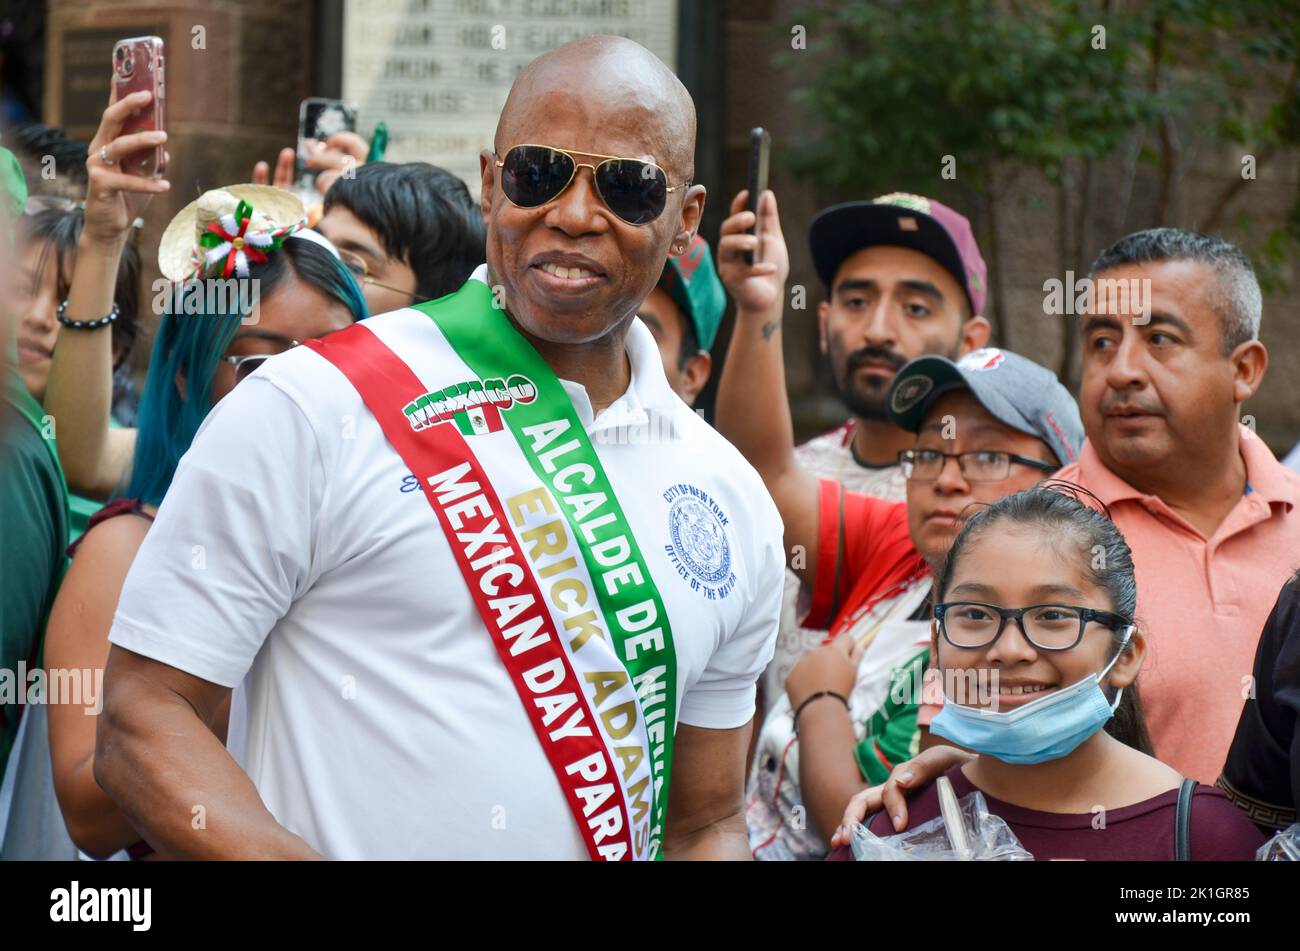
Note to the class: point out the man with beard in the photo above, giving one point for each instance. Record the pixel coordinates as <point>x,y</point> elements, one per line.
<point>903,277</point>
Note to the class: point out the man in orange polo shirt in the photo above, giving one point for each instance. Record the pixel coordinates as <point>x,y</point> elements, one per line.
<point>1208,511</point>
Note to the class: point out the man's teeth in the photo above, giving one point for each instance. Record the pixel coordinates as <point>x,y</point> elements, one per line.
<point>569,273</point>
<point>1018,690</point>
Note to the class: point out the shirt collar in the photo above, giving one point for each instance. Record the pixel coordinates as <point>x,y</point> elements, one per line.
<point>1266,476</point>
<point>647,395</point>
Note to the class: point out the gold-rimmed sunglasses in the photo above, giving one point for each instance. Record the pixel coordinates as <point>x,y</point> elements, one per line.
<point>635,190</point>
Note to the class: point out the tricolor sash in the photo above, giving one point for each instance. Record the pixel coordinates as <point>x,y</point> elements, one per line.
<point>546,553</point>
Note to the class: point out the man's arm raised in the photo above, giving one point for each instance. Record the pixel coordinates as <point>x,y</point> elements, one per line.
<point>751,409</point>
<point>158,759</point>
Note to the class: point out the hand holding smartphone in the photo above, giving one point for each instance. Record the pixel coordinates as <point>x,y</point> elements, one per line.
<point>138,66</point>
<point>318,120</point>
<point>760,146</point>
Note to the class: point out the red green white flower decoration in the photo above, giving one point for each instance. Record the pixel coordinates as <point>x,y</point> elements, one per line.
<point>231,243</point>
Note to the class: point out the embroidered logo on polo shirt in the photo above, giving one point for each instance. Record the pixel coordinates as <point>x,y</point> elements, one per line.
<point>910,392</point>
<point>699,548</point>
<point>475,406</point>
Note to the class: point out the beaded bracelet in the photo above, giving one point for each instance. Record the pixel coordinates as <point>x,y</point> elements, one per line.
<point>87,324</point>
<point>820,693</point>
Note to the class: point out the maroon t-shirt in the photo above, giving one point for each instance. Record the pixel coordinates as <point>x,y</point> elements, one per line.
<point>1142,831</point>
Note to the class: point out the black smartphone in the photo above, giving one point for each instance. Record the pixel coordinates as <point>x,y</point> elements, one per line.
<point>760,145</point>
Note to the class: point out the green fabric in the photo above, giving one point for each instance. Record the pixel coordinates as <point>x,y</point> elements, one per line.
<point>80,509</point>
<point>33,536</point>
<point>378,143</point>
<point>13,187</point>
<point>892,735</point>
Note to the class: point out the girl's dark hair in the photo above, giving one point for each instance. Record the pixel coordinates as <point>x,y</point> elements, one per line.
<point>57,230</point>
<point>423,216</point>
<point>1058,510</point>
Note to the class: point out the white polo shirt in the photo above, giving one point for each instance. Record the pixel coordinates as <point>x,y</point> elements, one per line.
<point>295,556</point>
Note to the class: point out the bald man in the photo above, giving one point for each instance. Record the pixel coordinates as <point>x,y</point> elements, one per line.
<point>487,586</point>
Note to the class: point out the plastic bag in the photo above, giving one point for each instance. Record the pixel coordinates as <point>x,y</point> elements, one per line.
<point>1283,847</point>
<point>977,835</point>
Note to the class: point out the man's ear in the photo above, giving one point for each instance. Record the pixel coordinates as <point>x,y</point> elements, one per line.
<point>695,375</point>
<point>487,163</point>
<point>1125,671</point>
<point>975,334</point>
<point>823,316</point>
<point>1249,363</point>
<point>692,213</point>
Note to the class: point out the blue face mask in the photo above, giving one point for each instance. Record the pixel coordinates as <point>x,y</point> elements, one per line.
<point>1041,730</point>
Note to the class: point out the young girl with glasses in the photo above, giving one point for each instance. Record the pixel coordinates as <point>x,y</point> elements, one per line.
<point>1036,640</point>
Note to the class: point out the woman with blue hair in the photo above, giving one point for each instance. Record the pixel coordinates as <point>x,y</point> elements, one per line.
<point>247,282</point>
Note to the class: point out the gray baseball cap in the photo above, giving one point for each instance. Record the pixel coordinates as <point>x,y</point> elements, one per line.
<point>1016,390</point>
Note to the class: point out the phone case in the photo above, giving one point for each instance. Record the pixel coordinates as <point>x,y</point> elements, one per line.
<point>318,119</point>
<point>137,66</point>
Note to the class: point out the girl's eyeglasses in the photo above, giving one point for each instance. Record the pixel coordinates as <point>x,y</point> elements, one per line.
<point>1049,627</point>
<point>636,191</point>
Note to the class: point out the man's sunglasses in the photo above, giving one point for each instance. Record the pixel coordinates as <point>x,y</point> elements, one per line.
<point>636,191</point>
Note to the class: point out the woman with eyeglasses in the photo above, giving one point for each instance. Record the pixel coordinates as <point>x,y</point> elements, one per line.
<point>1035,636</point>
<point>247,282</point>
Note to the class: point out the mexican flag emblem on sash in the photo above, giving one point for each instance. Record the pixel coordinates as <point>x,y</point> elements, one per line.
<point>478,420</point>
